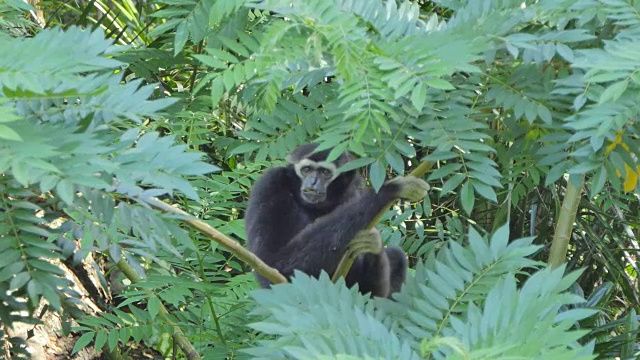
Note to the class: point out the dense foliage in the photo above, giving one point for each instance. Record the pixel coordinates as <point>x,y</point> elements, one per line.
<point>527,111</point>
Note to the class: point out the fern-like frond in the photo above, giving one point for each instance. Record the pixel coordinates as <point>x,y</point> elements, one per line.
<point>28,249</point>
<point>525,323</point>
<point>452,280</point>
<point>626,15</point>
<point>36,66</point>
<point>191,19</point>
<point>315,317</point>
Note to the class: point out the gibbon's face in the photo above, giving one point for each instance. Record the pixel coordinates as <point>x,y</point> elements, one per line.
<point>315,178</point>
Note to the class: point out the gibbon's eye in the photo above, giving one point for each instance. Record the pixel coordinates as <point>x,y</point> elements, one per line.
<point>305,169</point>
<point>326,172</point>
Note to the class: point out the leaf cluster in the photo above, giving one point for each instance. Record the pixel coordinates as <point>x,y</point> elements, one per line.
<point>71,150</point>
<point>465,296</point>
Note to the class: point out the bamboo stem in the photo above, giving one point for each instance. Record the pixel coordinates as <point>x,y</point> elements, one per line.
<point>566,218</point>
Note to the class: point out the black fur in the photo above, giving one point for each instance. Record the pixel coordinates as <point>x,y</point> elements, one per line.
<point>288,233</point>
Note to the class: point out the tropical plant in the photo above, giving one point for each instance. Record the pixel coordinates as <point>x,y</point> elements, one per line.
<point>522,109</point>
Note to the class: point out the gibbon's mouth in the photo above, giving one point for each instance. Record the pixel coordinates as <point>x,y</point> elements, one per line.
<point>312,196</point>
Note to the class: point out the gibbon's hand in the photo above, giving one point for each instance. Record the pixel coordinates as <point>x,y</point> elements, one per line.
<point>411,188</point>
<point>366,241</point>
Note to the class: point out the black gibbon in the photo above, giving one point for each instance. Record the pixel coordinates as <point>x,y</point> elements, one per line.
<point>304,216</point>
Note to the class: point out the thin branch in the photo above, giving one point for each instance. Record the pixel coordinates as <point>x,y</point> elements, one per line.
<point>233,246</point>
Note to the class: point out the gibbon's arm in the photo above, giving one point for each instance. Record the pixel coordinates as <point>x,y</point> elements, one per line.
<point>321,244</point>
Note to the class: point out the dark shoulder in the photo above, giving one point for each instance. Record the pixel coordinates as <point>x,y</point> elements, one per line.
<point>271,197</point>
<point>274,179</point>
<point>275,188</point>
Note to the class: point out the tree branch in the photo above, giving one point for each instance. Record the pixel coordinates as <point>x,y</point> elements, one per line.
<point>233,246</point>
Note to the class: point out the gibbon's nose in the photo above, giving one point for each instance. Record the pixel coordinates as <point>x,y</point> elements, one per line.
<point>313,185</point>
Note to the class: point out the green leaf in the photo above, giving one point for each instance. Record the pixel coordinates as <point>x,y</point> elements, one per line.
<point>444,171</point>
<point>20,172</point>
<point>555,173</point>
<point>484,190</point>
<point>211,61</point>
<point>452,183</point>
<point>395,161</point>
<point>19,280</point>
<point>466,197</point>
<point>628,350</point>
<point>499,241</point>
<point>217,90</point>
<point>579,101</point>
<point>7,114</point>
<point>598,180</point>
<point>20,5</point>
<point>9,134</point>
<point>8,271</point>
<point>377,174</point>
<point>419,96</point>
<point>52,296</point>
<point>247,147</point>
<point>34,289</point>
<point>181,37</point>
<point>9,256</point>
<point>356,164</point>
<point>65,190</point>
<point>82,342</point>
<point>223,55</point>
<point>113,339</point>
<point>565,51</point>
<point>613,92</point>
<point>101,339</point>
<point>153,306</point>
<point>598,295</point>
<point>441,84</point>
<point>544,114</point>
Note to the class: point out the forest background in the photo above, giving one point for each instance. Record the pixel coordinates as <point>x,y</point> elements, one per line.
<point>526,111</point>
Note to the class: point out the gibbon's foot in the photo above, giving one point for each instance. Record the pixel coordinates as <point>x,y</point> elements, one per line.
<point>366,241</point>
<point>411,188</point>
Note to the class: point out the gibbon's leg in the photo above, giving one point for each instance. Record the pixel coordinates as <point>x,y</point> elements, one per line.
<point>398,265</point>
<point>381,273</point>
<point>365,241</point>
<point>371,273</point>
<point>409,188</point>
<point>371,269</point>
